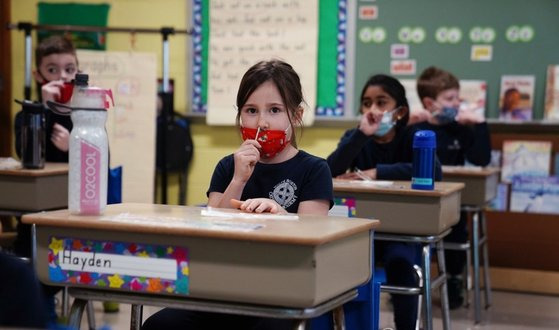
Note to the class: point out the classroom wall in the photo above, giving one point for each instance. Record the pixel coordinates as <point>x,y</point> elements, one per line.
<point>210,143</point>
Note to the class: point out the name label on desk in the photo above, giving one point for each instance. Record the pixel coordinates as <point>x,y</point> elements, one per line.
<point>121,265</point>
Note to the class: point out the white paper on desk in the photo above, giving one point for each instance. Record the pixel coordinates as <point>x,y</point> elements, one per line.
<point>209,212</point>
<point>374,183</point>
<point>470,168</point>
<point>176,222</point>
<point>9,163</point>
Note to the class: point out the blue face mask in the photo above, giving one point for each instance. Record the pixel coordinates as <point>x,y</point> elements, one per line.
<point>386,123</point>
<point>446,115</point>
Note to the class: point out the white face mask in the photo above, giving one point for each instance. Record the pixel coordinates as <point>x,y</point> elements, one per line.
<point>386,123</point>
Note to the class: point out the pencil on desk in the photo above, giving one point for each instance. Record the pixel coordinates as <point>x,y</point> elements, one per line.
<point>362,175</point>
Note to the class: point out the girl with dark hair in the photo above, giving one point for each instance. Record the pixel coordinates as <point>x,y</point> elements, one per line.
<point>267,173</point>
<point>381,147</point>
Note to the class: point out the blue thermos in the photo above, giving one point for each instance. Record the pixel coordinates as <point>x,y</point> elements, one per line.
<point>424,150</point>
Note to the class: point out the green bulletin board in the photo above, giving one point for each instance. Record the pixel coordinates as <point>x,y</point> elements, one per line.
<point>330,93</point>
<point>529,57</point>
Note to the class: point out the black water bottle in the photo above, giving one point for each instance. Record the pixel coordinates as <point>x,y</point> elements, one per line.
<point>33,135</point>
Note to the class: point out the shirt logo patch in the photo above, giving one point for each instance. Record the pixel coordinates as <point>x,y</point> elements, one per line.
<point>284,193</point>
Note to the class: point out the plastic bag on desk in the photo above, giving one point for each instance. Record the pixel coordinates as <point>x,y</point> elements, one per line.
<point>114,186</point>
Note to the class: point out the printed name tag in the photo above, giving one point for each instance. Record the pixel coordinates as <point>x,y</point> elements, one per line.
<point>119,265</point>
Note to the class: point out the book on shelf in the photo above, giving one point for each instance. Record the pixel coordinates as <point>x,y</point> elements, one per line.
<point>551,108</point>
<point>501,200</point>
<point>473,94</point>
<point>495,158</point>
<point>535,194</point>
<point>525,158</point>
<point>516,98</point>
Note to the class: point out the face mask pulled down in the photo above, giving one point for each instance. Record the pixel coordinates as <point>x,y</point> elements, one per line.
<point>386,123</point>
<point>271,141</point>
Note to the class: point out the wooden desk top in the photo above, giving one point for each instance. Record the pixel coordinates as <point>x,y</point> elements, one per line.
<point>469,171</point>
<point>188,221</point>
<point>396,188</point>
<point>49,169</point>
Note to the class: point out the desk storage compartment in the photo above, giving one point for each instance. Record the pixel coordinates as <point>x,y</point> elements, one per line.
<point>408,214</point>
<point>33,193</point>
<point>479,190</point>
<point>248,271</point>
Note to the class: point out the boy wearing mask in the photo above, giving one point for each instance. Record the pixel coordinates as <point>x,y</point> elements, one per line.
<point>461,136</point>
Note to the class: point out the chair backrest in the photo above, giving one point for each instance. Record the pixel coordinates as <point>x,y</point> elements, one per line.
<point>179,144</point>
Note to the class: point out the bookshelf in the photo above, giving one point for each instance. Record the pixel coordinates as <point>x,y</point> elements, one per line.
<point>524,240</point>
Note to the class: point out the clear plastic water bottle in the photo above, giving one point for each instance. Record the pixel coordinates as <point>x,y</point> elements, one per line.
<point>424,151</point>
<point>88,153</point>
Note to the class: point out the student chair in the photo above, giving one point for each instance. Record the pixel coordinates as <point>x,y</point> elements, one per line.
<point>478,232</point>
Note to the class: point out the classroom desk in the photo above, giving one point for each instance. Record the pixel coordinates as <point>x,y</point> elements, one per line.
<point>481,187</point>
<point>399,207</point>
<point>26,190</point>
<point>412,216</point>
<point>175,253</point>
<point>480,183</point>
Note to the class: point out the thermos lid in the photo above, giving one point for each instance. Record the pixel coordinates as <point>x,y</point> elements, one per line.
<point>425,139</point>
<point>31,107</point>
<point>81,79</point>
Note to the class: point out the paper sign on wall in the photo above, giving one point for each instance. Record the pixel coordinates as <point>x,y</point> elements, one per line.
<point>131,122</point>
<point>245,32</point>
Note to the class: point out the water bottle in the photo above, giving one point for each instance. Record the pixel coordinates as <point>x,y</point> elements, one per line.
<point>424,150</point>
<point>33,135</point>
<point>88,153</point>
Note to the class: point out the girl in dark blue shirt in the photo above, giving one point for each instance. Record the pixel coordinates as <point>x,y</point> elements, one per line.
<point>267,173</point>
<point>381,147</point>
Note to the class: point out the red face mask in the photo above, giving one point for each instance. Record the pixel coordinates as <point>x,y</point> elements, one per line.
<point>271,141</point>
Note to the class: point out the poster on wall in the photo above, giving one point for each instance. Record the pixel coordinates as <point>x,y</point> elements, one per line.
<point>245,32</point>
<point>131,122</point>
<point>551,110</point>
<point>516,99</point>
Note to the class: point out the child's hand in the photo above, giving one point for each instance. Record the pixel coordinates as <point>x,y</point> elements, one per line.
<point>245,159</point>
<point>418,116</point>
<point>51,91</point>
<point>60,137</point>
<point>370,174</point>
<point>469,117</point>
<point>370,122</point>
<point>258,205</point>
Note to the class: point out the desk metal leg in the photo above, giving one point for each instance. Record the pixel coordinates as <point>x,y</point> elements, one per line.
<point>90,315</point>
<point>468,274</point>
<point>65,301</point>
<point>136,317</point>
<point>475,237</point>
<point>339,318</point>
<point>427,300</point>
<point>300,325</point>
<point>444,288</point>
<point>76,312</point>
<point>487,281</point>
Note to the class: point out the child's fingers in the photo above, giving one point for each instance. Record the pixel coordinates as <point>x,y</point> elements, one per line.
<point>235,203</point>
